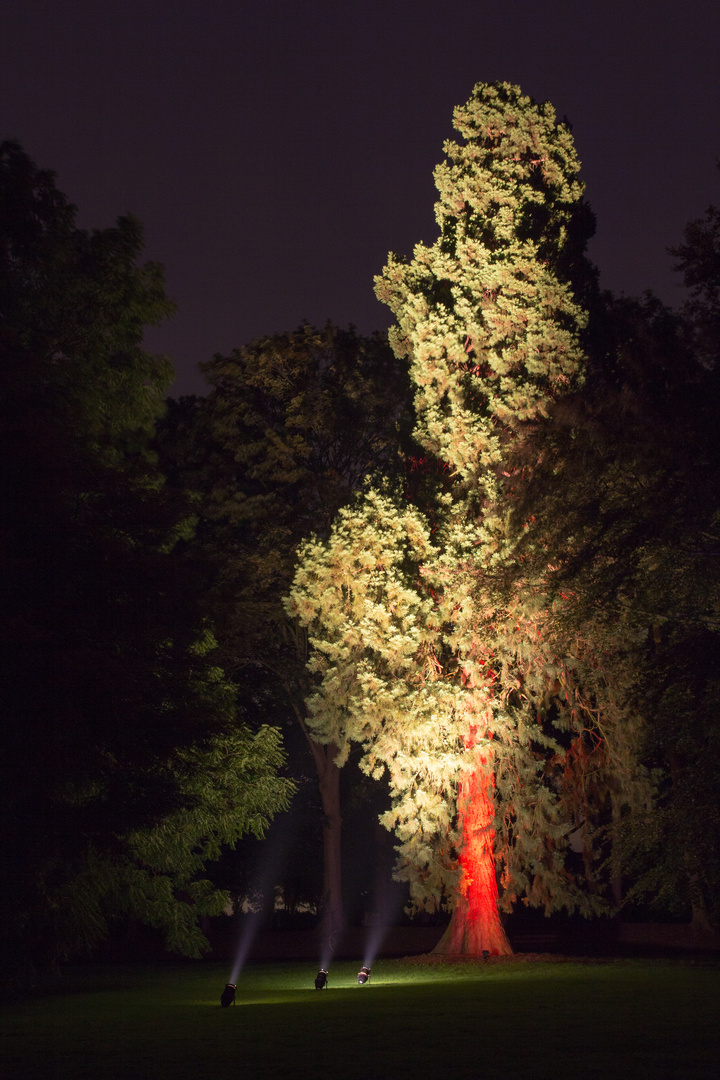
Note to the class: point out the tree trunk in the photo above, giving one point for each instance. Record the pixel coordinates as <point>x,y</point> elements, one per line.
<point>333,915</point>
<point>332,921</point>
<point>475,925</point>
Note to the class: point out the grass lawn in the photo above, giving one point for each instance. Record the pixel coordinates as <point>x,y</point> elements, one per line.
<point>536,1020</point>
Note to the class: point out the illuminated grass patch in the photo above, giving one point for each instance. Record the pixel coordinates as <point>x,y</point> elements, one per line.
<point>512,1020</point>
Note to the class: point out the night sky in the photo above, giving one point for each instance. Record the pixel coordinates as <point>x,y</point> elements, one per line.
<point>276,150</point>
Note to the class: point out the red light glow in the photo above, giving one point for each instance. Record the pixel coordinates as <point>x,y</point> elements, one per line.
<point>475,925</point>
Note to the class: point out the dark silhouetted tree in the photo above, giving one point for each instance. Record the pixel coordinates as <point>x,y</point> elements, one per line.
<point>624,479</point>
<point>121,754</point>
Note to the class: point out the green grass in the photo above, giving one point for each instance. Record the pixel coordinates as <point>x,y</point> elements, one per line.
<point>544,1021</point>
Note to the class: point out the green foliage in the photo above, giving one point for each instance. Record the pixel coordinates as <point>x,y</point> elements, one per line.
<point>74,308</point>
<point>698,259</point>
<point>389,612</point>
<point>299,419</point>
<point>623,485</point>
<point>225,788</point>
<point>487,314</point>
<point>293,425</point>
<point>107,667</point>
<point>371,620</point>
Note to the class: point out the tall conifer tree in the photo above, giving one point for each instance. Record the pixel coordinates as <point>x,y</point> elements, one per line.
<point>431,651</point>
<point>488,319</point>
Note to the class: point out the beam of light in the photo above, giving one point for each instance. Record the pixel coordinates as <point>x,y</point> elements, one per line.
<point>387,908</point>
<point>373,942</point>
<point>328,951</point>
<point>247,937</point>
<point>264,884</point>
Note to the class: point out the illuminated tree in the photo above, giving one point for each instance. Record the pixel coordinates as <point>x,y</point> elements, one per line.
<point>464,700</point>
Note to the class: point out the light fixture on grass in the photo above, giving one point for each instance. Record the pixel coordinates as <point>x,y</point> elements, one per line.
<point>228,995</point>
<point>321,979</point>
<point>363,975</point>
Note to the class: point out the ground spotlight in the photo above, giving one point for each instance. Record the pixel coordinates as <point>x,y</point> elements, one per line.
<point>228,995</point>
<point>363,975</point>
<point>321,979</point>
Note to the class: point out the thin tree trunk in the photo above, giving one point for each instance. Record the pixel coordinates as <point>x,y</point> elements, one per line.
<point>332,921</point>
<point>475,925</point>
<point>333,915</point>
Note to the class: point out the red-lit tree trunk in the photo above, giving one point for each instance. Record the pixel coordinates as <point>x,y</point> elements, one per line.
<point>475,925</point>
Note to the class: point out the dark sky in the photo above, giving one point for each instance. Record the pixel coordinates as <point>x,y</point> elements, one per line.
<point>276,150</point>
